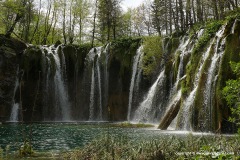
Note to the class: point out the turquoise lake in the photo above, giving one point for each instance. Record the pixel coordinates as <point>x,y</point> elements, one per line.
<point>57,137</point>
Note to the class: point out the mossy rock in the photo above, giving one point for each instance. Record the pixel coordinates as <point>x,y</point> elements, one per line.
<point>8,52</point>
<point>123,50</point>
<point>32,61</point>
<point>175,44</point>
<point>13,43</point>
<point>232,51</point>
<point>176,65</point>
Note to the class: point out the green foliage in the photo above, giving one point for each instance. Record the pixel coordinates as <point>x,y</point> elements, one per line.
<point>1,153</point>
<point>25,149</point>
<point>152,48</point>
<point>210,30</point>
<point>8,12</point>
<point>232,93</point>
<point>233,14</point>
<point>123,50</point>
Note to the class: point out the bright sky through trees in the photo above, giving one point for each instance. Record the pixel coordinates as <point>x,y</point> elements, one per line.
<point>131,3</point>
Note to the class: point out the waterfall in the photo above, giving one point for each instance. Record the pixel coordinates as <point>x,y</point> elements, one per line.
<point>76,85</point>
<point>15,105</point>
<point>99,89</point>
<point>106,73</point>
<point>60,88</point>
<point>91,106</point>
<point>186,112</point>
<point>139,74</point>
<point>143,111</point>
<point>188,102</point>
<point>136,69</point>
<point>14,113</point>
<point>233,27</point>
<point>185,48</point>
<point>211,80</point>
<point>184,52</point>
<point>94,57</point>
<point>62,104</point>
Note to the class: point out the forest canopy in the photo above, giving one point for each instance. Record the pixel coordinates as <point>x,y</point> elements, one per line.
<point>100,21</point>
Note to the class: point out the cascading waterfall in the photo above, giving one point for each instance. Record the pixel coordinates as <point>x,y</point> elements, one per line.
<point>91,106</point>
<point>106,72</point>
<point>60,89</point>
<point>94,58</point>
<point>99,89</point>
<point>143,111</point>
<point>95,96</point>
<point>211,78</point>
<point>47,88</point>
<point>62,103</point>
<point>185,49</point>
<point>139,74</point>
<point>136,69</point>
<point>184,52</point>
<point>233,27</point>
<point>63,65</point>
<point>15,105</point>
<point>188,102</point>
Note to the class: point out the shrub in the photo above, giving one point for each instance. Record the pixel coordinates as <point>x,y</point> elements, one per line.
<point>231,93</point>
<point>152,48</point>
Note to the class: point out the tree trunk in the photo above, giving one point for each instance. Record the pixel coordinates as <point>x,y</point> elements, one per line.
<point>181,15</point>
<point>94,23</point>
<point>176,18</point>
<point>170,115</point>
<point>166,18</point>
<point>37,23</point>
<point>170,15</point>
<point>64,23</point>
<point>193,11</point>
<point>215,8</point>
<point>17,19</point>
<point>199,11</point>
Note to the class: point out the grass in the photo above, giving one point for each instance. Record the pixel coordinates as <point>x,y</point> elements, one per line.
<point>190,147</point>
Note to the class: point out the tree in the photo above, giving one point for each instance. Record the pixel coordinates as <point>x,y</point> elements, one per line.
<point>108,17</point>
<point>157,12</point>
<point>13,11</point>
<point>81,10</point>
<point>37,21</point>
<point>27,20</point>
<point>137,20</point>
<point>126,23</point>
<point>64,3</point>
<point>94,22</point>
<point>232,93</point>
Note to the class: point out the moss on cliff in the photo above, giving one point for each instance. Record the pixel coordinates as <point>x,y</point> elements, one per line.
<point>32,62</point>
<point>199,48</point>
<point>153,53</point>
<point>123,51</point>
<point>231,53</point>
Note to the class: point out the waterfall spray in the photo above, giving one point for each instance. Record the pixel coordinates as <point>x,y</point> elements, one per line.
<point>135,71</point>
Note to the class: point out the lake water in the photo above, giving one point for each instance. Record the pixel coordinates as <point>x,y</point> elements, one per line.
<point>66,136</point>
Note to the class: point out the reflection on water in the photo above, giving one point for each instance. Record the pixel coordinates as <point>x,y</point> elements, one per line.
<point>66,136</point>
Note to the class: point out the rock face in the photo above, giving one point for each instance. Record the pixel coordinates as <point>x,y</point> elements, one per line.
<point>55,82</point>
<point>80,83</point>
<point>10,55</point>
<point>199,73</point>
